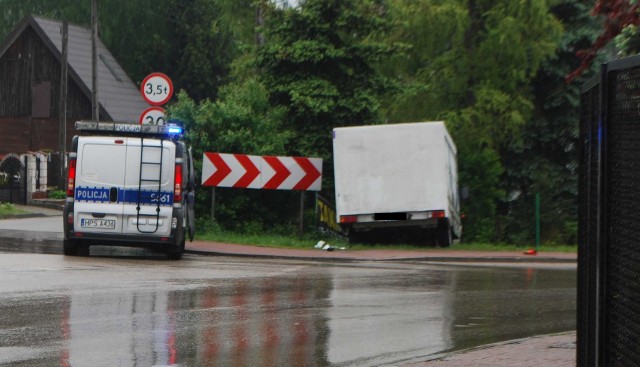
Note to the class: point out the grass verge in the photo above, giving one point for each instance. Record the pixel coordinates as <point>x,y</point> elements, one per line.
<point>8,210</point>
<point>309,241</point>
<point>269,240</point>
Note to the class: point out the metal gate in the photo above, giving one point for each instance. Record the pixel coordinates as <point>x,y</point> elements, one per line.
<point>609,217</point>
<point>12,180</point>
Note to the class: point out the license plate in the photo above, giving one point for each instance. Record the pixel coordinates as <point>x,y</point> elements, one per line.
<point>98,223</point>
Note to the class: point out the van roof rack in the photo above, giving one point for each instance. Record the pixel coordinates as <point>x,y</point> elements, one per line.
<point>169,130</point>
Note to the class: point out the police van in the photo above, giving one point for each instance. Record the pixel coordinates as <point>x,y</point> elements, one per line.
<point>129,185</point>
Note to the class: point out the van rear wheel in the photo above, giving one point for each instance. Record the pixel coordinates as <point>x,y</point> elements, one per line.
<point>176,253</point>
<point>71,247</point>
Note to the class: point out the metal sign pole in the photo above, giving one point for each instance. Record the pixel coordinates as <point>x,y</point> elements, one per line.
<point>301,229</point>
<point>537,221</point>
<point>213,204</point>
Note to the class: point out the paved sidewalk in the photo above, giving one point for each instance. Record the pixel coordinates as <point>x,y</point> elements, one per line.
<point>558,350</point>
<point>217,248</point>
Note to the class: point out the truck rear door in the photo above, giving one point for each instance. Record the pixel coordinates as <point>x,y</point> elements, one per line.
<point>100,176</point>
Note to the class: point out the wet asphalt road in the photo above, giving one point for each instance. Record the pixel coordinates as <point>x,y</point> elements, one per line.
<point>136,309</point>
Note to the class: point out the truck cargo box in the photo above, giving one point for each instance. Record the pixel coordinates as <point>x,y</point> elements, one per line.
<point>397,176</point>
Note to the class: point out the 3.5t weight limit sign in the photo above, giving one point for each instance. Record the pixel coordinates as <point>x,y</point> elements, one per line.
<point>156,89</point>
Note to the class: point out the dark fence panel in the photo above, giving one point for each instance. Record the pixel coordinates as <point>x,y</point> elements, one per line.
<point>54,175</point>
<point>622,255</point>
<point>588,222</point>
<point>13,177</point>
<point>609,218</point>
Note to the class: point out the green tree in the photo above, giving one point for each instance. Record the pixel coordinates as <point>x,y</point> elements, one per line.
<point>14,10</point>
<point>240,17</point>
<point>241,121</point>
<point>191,41</point>
<point>432,72</point>
<point>187,40</point>
<point>472,64</point>
<point>620,21</point>
<point>318,63</point>
<point>548,162</point>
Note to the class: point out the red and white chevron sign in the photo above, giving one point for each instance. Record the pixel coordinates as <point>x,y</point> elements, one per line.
<point>261,172</point>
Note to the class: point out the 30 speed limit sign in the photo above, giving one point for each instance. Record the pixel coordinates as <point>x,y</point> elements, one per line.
<point>152,116</point>
<point>156,89</point>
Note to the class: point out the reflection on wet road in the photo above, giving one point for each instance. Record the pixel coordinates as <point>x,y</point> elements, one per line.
<point>236,312</point>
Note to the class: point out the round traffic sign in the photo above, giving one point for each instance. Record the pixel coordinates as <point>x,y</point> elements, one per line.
<point>156,89</point>
<point>152,116</point>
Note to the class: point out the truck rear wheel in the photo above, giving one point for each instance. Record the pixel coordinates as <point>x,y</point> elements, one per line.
<point>351,234</point>
<point>444,238</point>
<point>443,235</point>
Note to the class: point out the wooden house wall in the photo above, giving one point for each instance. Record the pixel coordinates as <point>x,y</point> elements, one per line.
<point>30,98</point>
<point>21,135</point>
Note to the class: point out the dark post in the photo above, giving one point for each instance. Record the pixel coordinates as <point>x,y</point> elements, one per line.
<point>213,204</point>
<point>63,102</point>
<point>37,172</point>
<point>95,105</point>
<point>25,180</point>
<point>537,221</point>
<point>11,188</point>
<point>301,229</point>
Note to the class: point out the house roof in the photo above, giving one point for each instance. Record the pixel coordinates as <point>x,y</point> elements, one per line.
<point>117,94</point>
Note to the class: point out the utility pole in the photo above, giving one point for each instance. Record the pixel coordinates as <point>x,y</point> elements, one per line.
<point>63,103</point>
<point>259,37</point>
<point>95,105</point>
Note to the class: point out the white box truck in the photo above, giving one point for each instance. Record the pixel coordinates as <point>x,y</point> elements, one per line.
<point>397,179</point>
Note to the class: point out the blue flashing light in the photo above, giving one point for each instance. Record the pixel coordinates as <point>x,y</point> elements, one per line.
<point>175,130</point>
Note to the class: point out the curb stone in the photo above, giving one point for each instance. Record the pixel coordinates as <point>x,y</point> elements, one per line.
<point>557,350</point>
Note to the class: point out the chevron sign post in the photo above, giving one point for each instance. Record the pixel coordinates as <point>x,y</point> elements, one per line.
<point>261,172</point>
